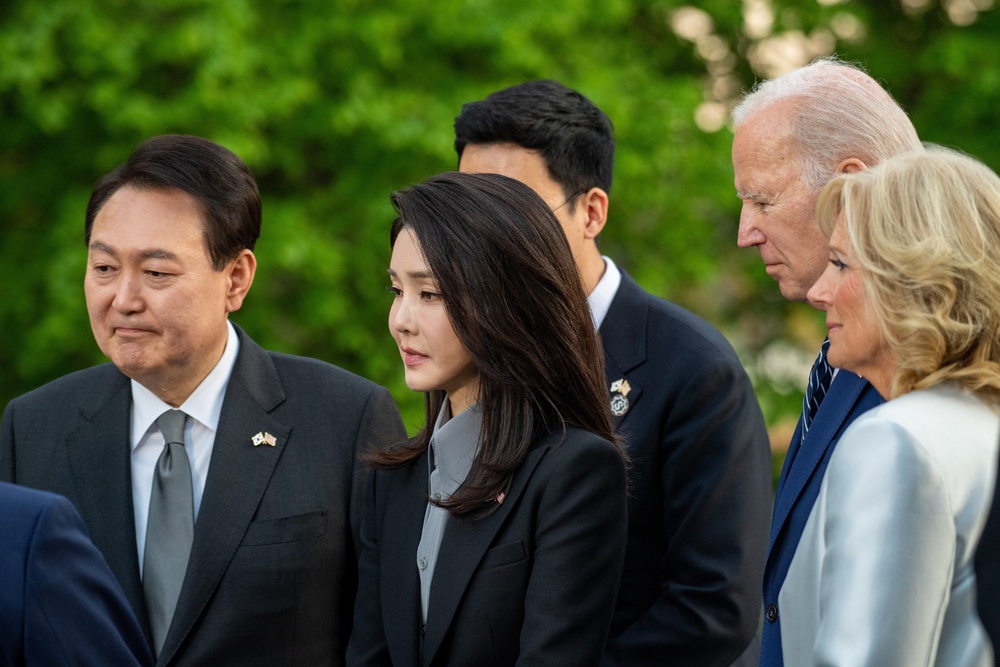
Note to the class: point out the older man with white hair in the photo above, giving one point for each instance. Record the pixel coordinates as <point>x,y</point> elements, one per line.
<point>793,135</point>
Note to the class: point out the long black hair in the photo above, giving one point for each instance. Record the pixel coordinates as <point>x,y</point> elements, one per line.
<point>516,302</point>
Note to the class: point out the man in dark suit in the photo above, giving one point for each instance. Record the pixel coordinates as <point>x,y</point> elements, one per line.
<point>793,135</point>
<point>988,573</point>
<point>59,602</point>
<point>219,480</point>
<point>700,478</point>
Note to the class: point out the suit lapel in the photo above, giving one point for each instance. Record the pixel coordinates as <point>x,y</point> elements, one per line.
<point>238,475</point>
<point>623,336</point>
<point>100,463</point>
<point>834,409</point>
<point>400,587</point>
<point>462,549</point>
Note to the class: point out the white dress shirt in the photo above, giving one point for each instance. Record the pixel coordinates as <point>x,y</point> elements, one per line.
<point>604,292</point>
<point>203,406</point>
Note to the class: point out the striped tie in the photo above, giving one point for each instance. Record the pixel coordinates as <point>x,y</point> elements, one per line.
<point>820,378</point>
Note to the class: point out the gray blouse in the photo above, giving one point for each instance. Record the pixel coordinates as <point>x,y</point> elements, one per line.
<point>453,447</point>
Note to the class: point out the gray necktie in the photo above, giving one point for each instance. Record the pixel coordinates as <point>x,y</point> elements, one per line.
<point>170,528</point>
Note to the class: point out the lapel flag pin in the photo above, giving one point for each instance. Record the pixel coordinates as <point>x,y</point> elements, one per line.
<point>619,392</point>
<point>270,439</point>
<point>501,497</point>
<point>258,439</point>
<point>621,386</point>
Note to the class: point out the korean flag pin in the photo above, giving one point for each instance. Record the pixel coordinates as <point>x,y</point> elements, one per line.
<point>258,440</point>
<point>619,397</point>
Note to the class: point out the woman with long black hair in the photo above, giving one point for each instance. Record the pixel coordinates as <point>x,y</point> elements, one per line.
<point>496,535</point>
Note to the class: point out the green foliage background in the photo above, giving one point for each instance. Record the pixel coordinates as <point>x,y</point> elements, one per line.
<point>336,104</point>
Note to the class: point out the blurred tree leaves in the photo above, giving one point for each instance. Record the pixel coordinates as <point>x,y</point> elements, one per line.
<point>335,105</point>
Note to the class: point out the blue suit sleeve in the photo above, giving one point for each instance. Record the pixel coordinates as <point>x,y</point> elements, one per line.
<point>75,612</point>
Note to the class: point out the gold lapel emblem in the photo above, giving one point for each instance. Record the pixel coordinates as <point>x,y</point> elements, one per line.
<point>621,386</point>
<point>264,439</point>
<point>619,392</point>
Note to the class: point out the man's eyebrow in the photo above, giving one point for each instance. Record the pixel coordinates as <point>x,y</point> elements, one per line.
<point>153,253</point>
<point>157,253</point>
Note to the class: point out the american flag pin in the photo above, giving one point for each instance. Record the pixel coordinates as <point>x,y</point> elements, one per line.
<point>501,497</point>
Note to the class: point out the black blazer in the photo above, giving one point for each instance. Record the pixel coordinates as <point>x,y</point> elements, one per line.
<point>988,574</point>
<point>533,583</point>
<point>272,574</point>
<point>701,488</point>
<point>59,602</point>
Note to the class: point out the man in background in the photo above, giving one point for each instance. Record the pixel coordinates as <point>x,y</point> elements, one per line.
<point>218,479</point>
<point>793,135</point>
<point>700,479</point>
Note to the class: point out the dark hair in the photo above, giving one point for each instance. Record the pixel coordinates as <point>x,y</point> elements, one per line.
<point>214,176</point>
<point>575,138</point>
<point>516,302</point>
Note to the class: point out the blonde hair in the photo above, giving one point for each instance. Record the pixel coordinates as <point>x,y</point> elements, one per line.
<point>925,229</point>
<point>841,112</point>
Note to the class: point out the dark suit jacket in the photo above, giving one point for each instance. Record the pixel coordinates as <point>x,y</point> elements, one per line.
<point>59,602</point>
<point>272,574</point>
<point>988,574</point>
<point>532,583</point>
<point>801,478</point>
<point>701,488</point>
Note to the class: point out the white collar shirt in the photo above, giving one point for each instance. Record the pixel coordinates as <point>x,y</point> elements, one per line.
<point>203,406</point>
<point>604,292</point>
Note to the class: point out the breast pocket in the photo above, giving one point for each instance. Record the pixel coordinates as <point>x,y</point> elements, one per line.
<point>504,554</point>
<point>286,529</point>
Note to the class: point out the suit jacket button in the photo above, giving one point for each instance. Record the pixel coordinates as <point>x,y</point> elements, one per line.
<point>771,613</point>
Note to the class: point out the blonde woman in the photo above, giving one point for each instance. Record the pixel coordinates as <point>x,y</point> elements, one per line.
<point>884,572</point>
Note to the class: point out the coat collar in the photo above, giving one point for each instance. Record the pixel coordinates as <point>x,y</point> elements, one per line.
<point>623,336</point>
<point>100,464</point>
<point>802,461</point>
<point>463,547</point>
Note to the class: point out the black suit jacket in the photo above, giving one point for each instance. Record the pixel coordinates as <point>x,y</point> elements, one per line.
<point>59,602</point>
<point>272,574</point>
<point>533,583</point>
<point>988,574</point>
<point>701,488</point>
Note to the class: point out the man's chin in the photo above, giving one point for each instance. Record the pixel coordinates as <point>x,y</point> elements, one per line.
<point>793,291</point>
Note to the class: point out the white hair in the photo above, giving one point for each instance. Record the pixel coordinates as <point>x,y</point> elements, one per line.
<point>840,113</point>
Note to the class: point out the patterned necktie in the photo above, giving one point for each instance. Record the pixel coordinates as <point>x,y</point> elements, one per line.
<point>820,378</point>
<point>170,529</point>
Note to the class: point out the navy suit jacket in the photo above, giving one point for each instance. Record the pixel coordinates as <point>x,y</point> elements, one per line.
<point>801,477</point>
<point>59,602</point>
<point>272,573</point>
<point>988,573</point>
<point>532,583</point>
<point>700,488</point>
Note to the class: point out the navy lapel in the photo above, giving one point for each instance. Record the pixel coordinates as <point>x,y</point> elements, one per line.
<point>462,549</point>
<point>623,336</point>
<point>835,408</point>
<point>100,463</point>
<point>238,475</point>
<point>399,537</point>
